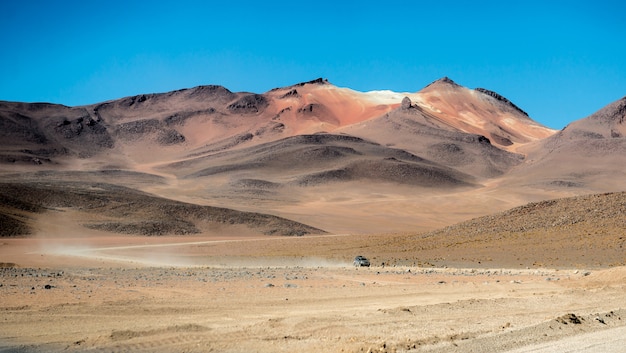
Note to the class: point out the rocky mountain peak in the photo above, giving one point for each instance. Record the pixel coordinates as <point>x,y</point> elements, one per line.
<point>317,81</point>
<point>500,98</point>
<point>614,113</point>
<point>443,81</point>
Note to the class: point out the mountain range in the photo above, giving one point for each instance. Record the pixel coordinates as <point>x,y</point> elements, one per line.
<point>308,158</point>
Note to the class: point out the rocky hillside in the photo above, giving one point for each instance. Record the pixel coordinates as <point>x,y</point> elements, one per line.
<point>351,161</point>
<point>577,230</point>
<point>123,210</point>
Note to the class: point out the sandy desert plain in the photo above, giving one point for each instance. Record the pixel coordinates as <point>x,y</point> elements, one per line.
<point>228,222</point>
<point>112,294</point>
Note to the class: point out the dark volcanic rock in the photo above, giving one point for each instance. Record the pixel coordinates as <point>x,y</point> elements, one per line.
<point>138,127</point>
<point>255,183</point>
<point>10,226</point>
<point>214,92</point>
<point>317,81</point>
<point>444,80</point>
<point>308,108</point>
<point>406,103</point>
<point>501,99</point>
<point>613,114</point>
<point>132,212</point>
<point>292,93</point>
<point>130,101</point>
<point>18,126</point>
<point>179,118</point>
<point>156,227</point>
<point>252,103</point>
<point>500,140</point>
<point>170,137</point>
<point>569,319</point>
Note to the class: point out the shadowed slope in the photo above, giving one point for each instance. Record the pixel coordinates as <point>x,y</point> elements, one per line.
<point>122,210</point>
<point>37,133</point>
<point>321,158</point>
<point>414,129</point>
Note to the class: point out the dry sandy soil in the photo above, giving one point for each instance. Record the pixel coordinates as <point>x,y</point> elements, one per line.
<point>272,294</point>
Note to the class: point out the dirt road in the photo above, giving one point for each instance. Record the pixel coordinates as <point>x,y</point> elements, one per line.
<point>110,299</point>
<point>607,341</point>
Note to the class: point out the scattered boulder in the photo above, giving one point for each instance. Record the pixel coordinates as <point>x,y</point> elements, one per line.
<point>292,93</point>
<point>317,81</point>
<point>170,137</point>
<point>569,319</point>
<point>500,98</point>
<point>406,103</point>
<point>252,103</point>
<point>308,108</point>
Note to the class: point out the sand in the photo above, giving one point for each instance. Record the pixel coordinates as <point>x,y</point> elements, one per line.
<point>174,294</point>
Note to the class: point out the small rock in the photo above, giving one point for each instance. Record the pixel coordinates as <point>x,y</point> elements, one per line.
<point>406,103</point>
<point>600,320</point>
<point>569,319</point>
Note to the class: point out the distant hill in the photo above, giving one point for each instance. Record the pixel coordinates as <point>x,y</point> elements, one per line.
<point>576,231</point>
<point>589,154</point>
<point>122,210</point>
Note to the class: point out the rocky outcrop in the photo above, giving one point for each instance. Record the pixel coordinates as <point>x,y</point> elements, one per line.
<point>290,94</point>
<point>614,113</point>
<point>500,98</point>
<point>317,81</point>
<point>249,104</point>
<point>444,80</point>
<point>406,103</point>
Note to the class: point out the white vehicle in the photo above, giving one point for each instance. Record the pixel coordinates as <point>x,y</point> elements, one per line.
<point>361,261</point>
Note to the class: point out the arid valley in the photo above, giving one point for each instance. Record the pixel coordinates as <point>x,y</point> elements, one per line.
<point>205,220</point>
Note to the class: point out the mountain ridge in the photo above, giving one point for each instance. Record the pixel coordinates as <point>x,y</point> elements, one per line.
<point>255,152</point>
<point>319,106</point>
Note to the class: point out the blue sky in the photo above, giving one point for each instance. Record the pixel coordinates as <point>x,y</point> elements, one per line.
<point>558,60</point>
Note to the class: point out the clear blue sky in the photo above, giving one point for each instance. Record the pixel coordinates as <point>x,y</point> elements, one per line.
<point>558,60</point>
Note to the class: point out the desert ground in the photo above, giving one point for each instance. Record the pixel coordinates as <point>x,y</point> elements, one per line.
<point>271,294</point>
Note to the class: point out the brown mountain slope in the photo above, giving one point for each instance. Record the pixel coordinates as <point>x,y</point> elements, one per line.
<point>206,116</point>
<point>40,133</point>
<point>117,209</point>
<point>608,122</point>
<point>445,154</point>
<point>588,154</point>
<point>481,112</point>
<point>320,159</point>
<point>577,231</point>
<point>416,130</point>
